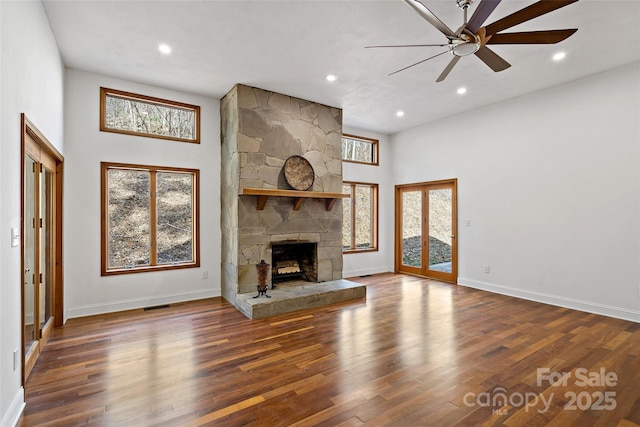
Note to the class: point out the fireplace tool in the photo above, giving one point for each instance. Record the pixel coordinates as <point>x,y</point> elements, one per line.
<point>263,269</point>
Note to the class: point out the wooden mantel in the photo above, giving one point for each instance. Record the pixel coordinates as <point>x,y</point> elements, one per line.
<point>298,196</point>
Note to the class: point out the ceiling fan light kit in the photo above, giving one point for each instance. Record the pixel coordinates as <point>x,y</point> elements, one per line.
<point>465,48</point>
<point>472,37</point>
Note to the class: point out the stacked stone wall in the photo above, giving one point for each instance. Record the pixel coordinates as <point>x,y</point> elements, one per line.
<point>260,131</point>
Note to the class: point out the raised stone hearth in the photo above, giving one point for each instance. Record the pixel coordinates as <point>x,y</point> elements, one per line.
<point>298,297</point>
<point>260,131</point>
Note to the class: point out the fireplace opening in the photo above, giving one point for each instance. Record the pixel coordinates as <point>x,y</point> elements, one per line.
<point>294,262</point>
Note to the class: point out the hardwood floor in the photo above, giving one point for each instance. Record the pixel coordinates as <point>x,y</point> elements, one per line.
<point>415,353</point>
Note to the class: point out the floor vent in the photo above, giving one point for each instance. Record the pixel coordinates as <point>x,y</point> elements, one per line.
<point>157,307</point>
<point>366,275</point>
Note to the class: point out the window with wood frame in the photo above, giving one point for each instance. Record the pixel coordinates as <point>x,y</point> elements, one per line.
<point>360,217</point>
<point>150,218</point>
<point>358,149</point>
<point>133,114</point>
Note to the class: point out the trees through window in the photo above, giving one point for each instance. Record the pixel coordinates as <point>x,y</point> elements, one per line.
<point>360,217</point>
<point>149,218</point>
<point>130,113</point>
<point>358,149</point>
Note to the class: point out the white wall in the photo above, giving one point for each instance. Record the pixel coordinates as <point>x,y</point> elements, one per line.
<point>357,264</point>
<point>551,184</point>
<point>32,83</point>
<point>86,292</point>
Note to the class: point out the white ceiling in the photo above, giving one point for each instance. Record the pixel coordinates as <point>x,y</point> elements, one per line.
<point>290,46</point>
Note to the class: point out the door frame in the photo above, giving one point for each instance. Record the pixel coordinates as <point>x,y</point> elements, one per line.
<point>424,271</point>
<point>29,130</point>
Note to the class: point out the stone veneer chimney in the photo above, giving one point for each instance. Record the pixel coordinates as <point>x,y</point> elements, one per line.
<point>260,130</point>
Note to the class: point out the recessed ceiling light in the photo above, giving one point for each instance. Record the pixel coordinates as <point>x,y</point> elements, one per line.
<point>399,113</point>
<point>164,48</point>
<point>462,90</point>
<point>331,77</point>
<point>559,56</point>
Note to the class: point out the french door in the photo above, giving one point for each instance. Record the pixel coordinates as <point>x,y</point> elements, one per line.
<point>41,251</point>
<point>426,229</point>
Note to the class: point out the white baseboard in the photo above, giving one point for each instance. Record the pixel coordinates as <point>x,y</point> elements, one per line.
<point>12,416</point>
<point>587,306</point>
<point>365,272</point>
<point>131,304</point>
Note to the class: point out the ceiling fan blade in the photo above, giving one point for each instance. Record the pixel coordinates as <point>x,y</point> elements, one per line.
<point>529,12</point>
<point>448,68</point>
<point>431,18</point>
<point>409,45</point>
<point>532,37</point>
<point>492,59</point>
<point>481,14</point>
<point>419,62</point>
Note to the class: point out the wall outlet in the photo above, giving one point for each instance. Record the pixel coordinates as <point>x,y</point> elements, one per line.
<point>487,269</point>
<point>15,359</point>
<point>205,274</point>
<point>468,223</point>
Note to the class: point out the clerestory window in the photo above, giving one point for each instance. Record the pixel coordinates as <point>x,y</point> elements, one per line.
<point>358,149</point>
<point>133,114</point>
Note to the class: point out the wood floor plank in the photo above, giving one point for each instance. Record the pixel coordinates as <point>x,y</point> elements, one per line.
<point>416,353</point>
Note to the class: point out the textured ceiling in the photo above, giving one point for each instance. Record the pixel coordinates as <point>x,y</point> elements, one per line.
<point>289,47</point>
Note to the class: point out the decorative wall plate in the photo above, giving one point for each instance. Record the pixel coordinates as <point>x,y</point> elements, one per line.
<point>299,173</point>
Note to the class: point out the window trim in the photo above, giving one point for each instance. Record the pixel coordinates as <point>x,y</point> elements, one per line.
<point>374,217</point>
<point>104,92</point>
<point>374,142</point>
<point>104,234</point>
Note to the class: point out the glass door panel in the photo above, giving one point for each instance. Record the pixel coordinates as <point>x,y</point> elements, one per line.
<point>46,247</point>
<point>29,298</point>
<point>411,228</point>
<point>440,230</point>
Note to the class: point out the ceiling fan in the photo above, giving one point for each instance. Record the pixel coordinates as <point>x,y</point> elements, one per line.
<point>473,38</point>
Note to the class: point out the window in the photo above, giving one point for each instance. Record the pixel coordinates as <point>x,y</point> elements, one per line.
<point>357,149</point>
<point>360,217</point>
<point>129,113</point>
<point>149,218</point>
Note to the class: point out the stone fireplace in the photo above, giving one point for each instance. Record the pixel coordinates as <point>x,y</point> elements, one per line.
<point>260,131</point>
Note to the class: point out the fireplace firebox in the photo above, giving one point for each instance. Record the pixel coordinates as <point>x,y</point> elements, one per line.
<point>294,262</point>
